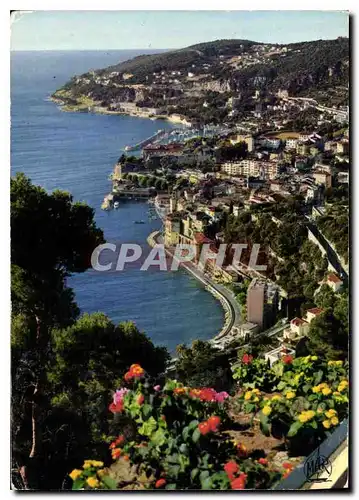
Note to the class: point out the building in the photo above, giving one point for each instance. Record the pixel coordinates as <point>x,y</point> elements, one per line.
<point>262,303</point>
<point>248,139</point>
<point>313,313</point>
<point>299,327</point>
<point>248,329</point>
<point>291,143</point>
<point>322,177</point>
<point>334,282</point>
<point>343,177</point>
<point>172,229</point>
<point>251,168</point>
<point>277,354</point>
<point>343,147</point>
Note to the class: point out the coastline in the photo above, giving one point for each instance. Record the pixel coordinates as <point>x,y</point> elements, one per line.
<point>228,306</point>
<point>90,106</point>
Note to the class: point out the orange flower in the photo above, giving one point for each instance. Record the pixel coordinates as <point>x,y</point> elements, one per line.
<point>287,465</point>
<point>136,371</point>
<point>128,376</point>
<point>161,482</point>
<point>120,440</point>
<point>116,453</point>
<point>204,428</point>
<point>126,457</point>
<point>140,399</point>
<point>214,423</point>
<point>179,390</point>
<point>263,461</point>
<point>195,393</point>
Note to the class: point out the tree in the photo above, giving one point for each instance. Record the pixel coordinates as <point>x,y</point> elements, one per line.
<point>52,237</point>
<point>327,337</point>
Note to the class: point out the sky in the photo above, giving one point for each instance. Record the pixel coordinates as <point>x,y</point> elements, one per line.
<point>105,30</point>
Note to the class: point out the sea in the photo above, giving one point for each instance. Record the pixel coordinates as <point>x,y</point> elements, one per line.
<point>76,152</point>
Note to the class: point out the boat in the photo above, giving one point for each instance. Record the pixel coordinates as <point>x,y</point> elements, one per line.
<point>139,222</point>
<point>116,204</point>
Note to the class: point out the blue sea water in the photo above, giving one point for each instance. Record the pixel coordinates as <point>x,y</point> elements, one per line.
<point>76,152</point>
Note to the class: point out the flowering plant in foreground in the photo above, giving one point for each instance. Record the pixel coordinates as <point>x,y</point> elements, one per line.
<point>253,372</point>
<point>180,440</point>
<point>310,398</point>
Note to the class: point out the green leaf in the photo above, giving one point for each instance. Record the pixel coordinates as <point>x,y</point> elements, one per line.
<point>193,424</point>
<point>109,482</point>
<point>194,473</point>
<point>318,377</point>
<point>171,486</point>
<point>206,484</point>
<point>196,435</point>
<point>203,475</point>
<point>264,424</point>
<point>281,385</point>
<point>294,428</point>
<point>146,409</point>
<point>78,484</point>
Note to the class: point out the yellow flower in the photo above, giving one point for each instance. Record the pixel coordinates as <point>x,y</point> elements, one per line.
<point>316,389</point>
<point>322,385</point>
<point>93,482</point>
<point>320,410</point>
<point>302,418</point>
<point>75,474</point>
<point>331,363</point>
<point>310,414</point>
<point>248,395</point>
<point>339,363</point>
<point>314,358</point>
<point>290,395</point>
<point>276,398</point>
<point>335,420</point>
<point>306,359</point>
<point>97,463</point>
<point>267,410</point>
<point>256,391</point>
<point>87,464</point>
<point>330,413</point>
<point>101,472</point>
<point>327,424</point>
<point>255,399</point>
<point>326,391</point>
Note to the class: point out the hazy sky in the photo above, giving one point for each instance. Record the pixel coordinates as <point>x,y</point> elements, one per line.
<point>98,30</point>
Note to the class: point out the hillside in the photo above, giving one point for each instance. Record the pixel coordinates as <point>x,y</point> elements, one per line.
<point>207,74</point>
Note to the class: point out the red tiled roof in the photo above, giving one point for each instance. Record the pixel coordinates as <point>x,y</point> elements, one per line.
<point>315,310</point>
<point>298,321</point>
<point>334,278</point>
<point>201,238</point>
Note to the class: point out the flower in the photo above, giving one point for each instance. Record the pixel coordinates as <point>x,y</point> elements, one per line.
<point>314,358</point>
<point>287,359</point>
<point>239,483</point>
<point>214,423</point>
<point>327,424</point>
<point>127,376</point>
<point>93,482</point>
<point>276,398</point>
<point>263,461</point>
<point>316,389</point>
<point>75,474</point>
<point>339,363</point>
<point>334,420</point>
<point>160,482</point>
<point>207,394</point>
<point>306,415</point>
<point>140,399</point>
<point>231,468</point>
<point>126,457</point>
<point>267,410</point>
<point>157,388</point>
<point>116,407</point>
<point>116,453</point>
<point>242,450</point>
<point>119,395</point>
<point>92,463</point>
<point>204,428</point>
<point>101,472</point>
<point>221,396</point>
<point>136,371</point>
<point>247,359</point>
<point>326,391</point>
<point>290,395</point>
<point>194,393</point>
<point>287,466</point>
<point>330,413</point>
<point>248,395</point>
<point>179,390</point>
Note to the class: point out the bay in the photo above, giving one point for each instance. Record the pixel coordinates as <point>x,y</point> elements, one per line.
<point>76,152</point>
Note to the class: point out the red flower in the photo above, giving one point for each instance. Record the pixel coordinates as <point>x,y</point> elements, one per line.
<point>116,408</point>
<point>207,394</point>
<point>263,461</point>
<point>287,465</point>
<point>214,423</point>
<point>239,483</point>
<point>160,483</point>
<point>179,390</point>
<point>288,359</point>
<point>120,440</point>
<point>116,453</point>
<point>140,399</point>
<point>204,428</point>
<point>231,468</point>
<point>128,376</point>
<point>247,359</point>
<point>136,371</point>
